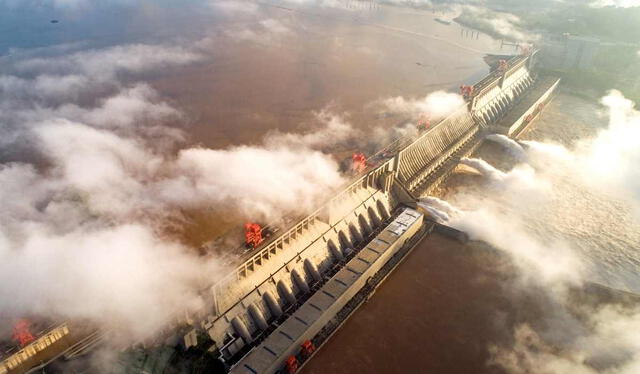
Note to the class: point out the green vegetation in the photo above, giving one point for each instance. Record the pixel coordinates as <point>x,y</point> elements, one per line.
<point>612,24</point>
<point>613,67</point>
<point>617,64</point>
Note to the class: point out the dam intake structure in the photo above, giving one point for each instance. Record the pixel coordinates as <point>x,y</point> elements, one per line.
<point>289,294</point>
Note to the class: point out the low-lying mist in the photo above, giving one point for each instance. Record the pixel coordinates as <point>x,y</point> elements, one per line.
<point>565,217</point>
<point>93,176</point>
<point>97,175</point>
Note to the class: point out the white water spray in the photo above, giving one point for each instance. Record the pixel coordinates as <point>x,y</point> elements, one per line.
<point>484,168</point>
<point>441,205</point>
<point>510,145</point>
<point>544,154</point>
<point>439,215</point>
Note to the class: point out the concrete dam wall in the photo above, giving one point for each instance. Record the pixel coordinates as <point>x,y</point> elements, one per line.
<point>277,280</point>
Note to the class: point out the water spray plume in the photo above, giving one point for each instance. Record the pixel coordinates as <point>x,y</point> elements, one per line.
<point>510,145</point>
<point>440,205</point>
<point>484,168</point>
<point>439,215</point>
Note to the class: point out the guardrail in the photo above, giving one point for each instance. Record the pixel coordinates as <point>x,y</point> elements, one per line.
<point>426,148</point>
<point>367,179</point>
<point>493,79</point>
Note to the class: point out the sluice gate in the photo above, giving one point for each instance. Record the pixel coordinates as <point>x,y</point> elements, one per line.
<point>287,291</point>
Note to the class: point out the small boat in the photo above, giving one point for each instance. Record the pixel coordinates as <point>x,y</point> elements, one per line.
<point>443,21</point>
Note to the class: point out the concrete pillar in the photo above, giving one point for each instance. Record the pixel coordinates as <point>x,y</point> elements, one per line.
<point>258,317</point>
<point>286,293</point>
<point>241,329</point>
<point>364,225</point>
<point>356,235</point>
<point>299,280</point>
<point>344,240</point>
<point>335,251</point>
<point>382,210</point>
<point>312,270</point>
<point>272,304</point>
<point>374,217</point>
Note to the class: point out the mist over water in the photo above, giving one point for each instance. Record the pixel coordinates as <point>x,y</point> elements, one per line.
<point>510,145</point>
<point>570,219</point>
<point>118,141</point>
<point>112,126</point>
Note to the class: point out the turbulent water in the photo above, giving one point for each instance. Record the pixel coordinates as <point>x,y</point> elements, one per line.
<point>550,199</point>
<point>605,229</point>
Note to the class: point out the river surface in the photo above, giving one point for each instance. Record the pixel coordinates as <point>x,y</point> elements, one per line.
<point>267,65</point>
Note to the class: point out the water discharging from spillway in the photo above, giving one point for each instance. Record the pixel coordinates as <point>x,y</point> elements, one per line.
<point>510,145</point>
<point>484,168</point>
<point>545,216</point>
<point>552,200</point>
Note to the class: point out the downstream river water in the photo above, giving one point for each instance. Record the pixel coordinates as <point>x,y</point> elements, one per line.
<point>449,305</point>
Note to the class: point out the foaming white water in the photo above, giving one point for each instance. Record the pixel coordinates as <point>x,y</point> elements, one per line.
<point>439,215</point>
<point>566,342</point>
<point>510,145</point>
<point>484,168</point>
<point>440,204</point>
<point>579,227</point>
<point>548,156</point>
<point>489,223</point>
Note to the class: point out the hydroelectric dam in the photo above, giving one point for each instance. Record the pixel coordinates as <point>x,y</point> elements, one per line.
<point>289,295</point>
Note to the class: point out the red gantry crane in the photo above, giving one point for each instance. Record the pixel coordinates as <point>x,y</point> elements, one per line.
<point>252,235</point>
<point>466,91</point>
<point>21,333</point>
<point>359,162</point>
<point>424,122</point>
<point>502,66</point>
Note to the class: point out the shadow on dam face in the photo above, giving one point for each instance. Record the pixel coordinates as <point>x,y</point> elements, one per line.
<point>436,314</point>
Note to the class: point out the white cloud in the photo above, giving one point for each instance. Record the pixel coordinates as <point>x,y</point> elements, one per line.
<point>616,3</point>
<point>334,130</point>
<point>504,25</point>
<point>82,233</point>
<point>274,26</point>
<point>123,277</point>
<point>265,31</point>
<point>436,105</point>
<point>234,6</point>
<point>105,63</point>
